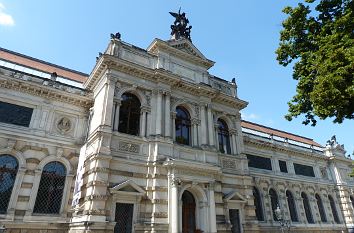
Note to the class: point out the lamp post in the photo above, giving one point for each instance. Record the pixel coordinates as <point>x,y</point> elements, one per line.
<point>2,229</point>
<point>284,224</point>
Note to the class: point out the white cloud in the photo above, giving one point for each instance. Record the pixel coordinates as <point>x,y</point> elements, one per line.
<point>5,19</point>
<point>249,117</point>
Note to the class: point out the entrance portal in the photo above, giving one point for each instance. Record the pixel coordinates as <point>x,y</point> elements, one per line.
<point>188,213</point>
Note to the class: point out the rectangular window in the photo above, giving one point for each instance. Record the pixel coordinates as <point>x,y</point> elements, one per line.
<point>304,170</point>
<point>282,166</point>
<point>259,162</point>
<point>15,114</point>
<point>124,218</point>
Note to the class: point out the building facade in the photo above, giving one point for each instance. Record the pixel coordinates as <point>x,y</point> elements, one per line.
<point>150,141</point>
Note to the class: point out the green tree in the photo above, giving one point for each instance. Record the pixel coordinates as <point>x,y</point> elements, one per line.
<point>318,38</point>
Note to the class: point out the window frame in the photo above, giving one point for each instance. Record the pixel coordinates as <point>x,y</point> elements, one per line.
<point>223,133</point>
<point>21,104</point>
<point>269,162</point>
<point>123,110</point>
<point>306,202</point>
<point>16,168</point>
<point>186,123</point>
<point>273,206</point>
<point>295,213</point>
<point>10,213</point>
<point>298,165</point>
<point>334,210</point>
<point>260,203</point>
<point>280,166</point>
<point>57,212</point>
<point>321,209</point>
<point>29,215</point>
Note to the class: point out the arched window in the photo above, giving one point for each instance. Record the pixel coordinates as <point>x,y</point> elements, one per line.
<point>129,114</point>
<point>274,202</point>
<point>223,137</point>
<point>307,208</point>
<point>321,208</point>
<point>183,126</point>
<point>51,188</point>
<point>258,204</point>
<point>292,207</point>
<point>8,171</point>
<point>334,209</point>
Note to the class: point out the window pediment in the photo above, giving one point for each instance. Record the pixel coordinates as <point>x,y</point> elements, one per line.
<point>234,196</point>
<point>127,187</point>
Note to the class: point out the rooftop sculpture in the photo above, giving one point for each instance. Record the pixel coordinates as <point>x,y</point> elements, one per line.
<point>180,28</point>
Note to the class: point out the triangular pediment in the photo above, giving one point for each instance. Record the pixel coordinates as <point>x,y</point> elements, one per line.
<point>128,186</point>
<point>186,46</point>
<point>181,48</point>
<point>234,196</point>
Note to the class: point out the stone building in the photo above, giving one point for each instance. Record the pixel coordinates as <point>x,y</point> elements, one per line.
<point>150,141</point>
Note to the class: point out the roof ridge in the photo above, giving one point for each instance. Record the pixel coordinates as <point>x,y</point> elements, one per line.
<point>42,61</point>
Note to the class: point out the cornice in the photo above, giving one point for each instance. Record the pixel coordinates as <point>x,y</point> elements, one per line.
<point>47,92</point>
<point>279,148</point>
<point>160,75</point>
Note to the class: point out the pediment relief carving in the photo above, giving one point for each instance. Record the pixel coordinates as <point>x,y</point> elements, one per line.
<point>129,187</point>
<point>234,196</point>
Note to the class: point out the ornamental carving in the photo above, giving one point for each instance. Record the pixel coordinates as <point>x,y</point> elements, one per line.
<point>148,98</point>
<point>64,125</point>
<point>129,147</point>
<point>228,163</point>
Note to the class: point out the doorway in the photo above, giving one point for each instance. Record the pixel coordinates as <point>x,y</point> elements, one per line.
<point>188,213</point>
<point>235,220</point>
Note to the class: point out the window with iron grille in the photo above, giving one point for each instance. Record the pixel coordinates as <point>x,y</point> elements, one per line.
<point>15,114</point>
<point>282,166</point>
<point>292,206</point>
<point>321,208</point>
<point>124,218</point>
<point>51,188</point>
<point>307,207</point>
<point>274,202</point>
<point>304,170</point>
<point>259,162</point>
<point>334,209</point>
<point>258,204</point>
<point>8,171</point>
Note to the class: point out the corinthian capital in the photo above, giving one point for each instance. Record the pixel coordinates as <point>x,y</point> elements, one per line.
<point>175,182</point>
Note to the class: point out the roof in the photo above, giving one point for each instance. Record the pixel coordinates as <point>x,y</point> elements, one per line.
<point>40,65</point>
<point>279,133</point>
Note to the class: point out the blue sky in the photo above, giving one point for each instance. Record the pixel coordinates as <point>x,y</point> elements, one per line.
<point>240,36</point>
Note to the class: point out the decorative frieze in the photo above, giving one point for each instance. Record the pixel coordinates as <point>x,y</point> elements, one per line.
<point>129,147</point>
<point>228,163</point>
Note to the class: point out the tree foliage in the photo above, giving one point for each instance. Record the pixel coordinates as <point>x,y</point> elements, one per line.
<point>318,38</point>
